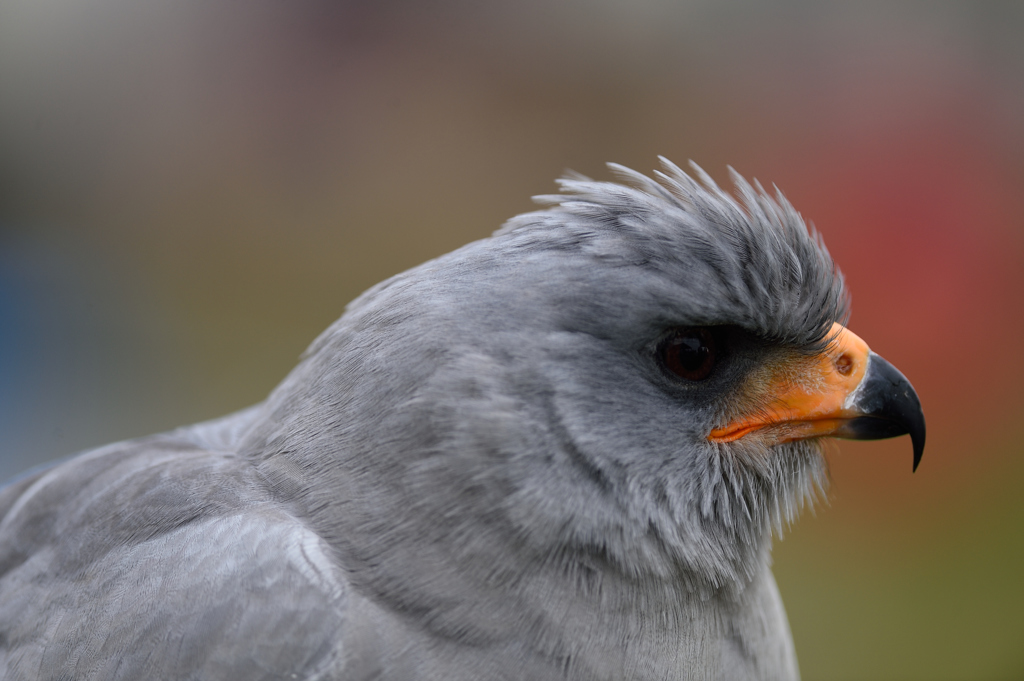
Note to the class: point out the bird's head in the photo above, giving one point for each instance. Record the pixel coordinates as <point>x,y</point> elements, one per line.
<point>642,373</point>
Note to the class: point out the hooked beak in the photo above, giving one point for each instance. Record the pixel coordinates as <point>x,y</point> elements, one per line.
<point>846,392</point>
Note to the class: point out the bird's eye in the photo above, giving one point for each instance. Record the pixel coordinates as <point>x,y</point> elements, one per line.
<point>689,353</point>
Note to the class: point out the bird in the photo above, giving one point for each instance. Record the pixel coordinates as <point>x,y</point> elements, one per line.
<point>559,452</point>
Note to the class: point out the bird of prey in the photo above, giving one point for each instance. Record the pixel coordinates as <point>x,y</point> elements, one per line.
<point>556,453</point>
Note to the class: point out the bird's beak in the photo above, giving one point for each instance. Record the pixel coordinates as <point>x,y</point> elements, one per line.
<point>847,391</point>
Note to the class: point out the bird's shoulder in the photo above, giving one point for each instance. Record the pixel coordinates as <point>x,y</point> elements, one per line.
<point>163,553</point>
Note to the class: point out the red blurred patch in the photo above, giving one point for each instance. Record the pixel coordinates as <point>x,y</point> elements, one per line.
<point>926,227</point>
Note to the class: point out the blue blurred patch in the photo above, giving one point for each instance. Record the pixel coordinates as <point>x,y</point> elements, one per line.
<point>79,352</point>
<point>15,303</point>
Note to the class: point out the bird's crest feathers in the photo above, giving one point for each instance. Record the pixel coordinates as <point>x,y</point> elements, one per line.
<point>755,245</point>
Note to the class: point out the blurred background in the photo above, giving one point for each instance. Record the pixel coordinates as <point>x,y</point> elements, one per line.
<point>190,192</point>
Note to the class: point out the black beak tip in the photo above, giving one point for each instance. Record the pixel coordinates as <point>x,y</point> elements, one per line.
<point>917,438</point>
<point>889,407</point>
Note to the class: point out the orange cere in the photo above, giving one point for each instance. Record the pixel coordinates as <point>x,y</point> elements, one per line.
<point>806,397</point>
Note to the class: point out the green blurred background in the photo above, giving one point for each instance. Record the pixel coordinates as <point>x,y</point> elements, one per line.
<point>191,191</point>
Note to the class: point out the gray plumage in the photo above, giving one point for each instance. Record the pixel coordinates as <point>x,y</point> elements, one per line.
<point>479,472</point>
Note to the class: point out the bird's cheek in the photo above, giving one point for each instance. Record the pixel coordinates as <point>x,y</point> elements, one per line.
<point>799,396</point>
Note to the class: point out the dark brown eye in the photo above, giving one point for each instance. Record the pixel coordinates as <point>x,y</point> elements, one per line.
<point>689,353</point>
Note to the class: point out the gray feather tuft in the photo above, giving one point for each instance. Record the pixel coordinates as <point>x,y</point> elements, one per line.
<point>778,274</point>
